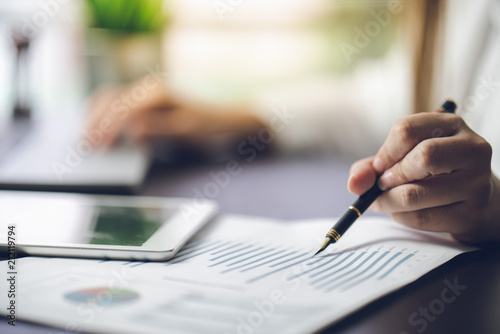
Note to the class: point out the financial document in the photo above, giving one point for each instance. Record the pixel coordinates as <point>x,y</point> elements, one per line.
<point>238,275</point>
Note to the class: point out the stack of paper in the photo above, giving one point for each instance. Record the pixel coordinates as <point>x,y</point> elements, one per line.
<point>238,275</point>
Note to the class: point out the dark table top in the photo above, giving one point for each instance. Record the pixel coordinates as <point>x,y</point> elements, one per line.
<point>313,187</point>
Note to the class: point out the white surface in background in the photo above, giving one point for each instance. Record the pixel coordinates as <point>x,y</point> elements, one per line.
<point>57,142</point>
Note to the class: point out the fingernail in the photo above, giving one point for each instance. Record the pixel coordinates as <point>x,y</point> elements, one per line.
<point>386,181</point>
<point>349,182</point>
<point>378,165</point>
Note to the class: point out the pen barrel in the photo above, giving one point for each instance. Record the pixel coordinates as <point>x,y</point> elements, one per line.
<point>355,211</point>
<point>365,200</point>
<point>345,222</point>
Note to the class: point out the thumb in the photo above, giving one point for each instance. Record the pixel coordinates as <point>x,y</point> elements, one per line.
<point>362,176</point>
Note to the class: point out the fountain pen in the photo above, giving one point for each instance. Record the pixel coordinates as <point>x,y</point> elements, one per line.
<point>364,201</point>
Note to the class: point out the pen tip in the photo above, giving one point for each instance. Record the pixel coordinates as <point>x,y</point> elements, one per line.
<point>316,253</point>
<point>322,247</point>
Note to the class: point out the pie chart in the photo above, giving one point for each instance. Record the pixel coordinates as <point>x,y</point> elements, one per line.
<point>102,296</point>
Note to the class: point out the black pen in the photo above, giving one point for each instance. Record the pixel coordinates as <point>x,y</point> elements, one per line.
<point>364,201</point>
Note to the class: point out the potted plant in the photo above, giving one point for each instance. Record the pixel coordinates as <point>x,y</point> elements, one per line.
<point>123,38</point>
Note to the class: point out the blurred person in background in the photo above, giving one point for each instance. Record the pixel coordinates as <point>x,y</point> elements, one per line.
<point>441,169</point>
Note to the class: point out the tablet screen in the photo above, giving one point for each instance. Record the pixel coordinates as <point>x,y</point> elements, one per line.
<point>125,226</point>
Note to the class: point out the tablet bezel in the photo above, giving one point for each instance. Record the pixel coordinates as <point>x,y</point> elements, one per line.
<point>189,216</point>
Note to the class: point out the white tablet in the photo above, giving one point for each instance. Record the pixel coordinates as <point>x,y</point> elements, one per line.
<point>92,226</point>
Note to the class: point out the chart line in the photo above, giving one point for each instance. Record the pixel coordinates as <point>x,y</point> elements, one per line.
<point>373,264</point>
<point>288,260</point>
<point>250,257</point>
<point>177,260</point>
<point>396,265</point>
<point>227,248</point>
<point>269,261</point>
<point>334,265</point>
<point>255,279</point>
<point>372,274</point>
<point>254,261</point>
<point>179,255</point>
<point>317,267</point>
<point>339,270</point>
<point>235,257</point>
<point>349,271</point>
<point>231,252</point>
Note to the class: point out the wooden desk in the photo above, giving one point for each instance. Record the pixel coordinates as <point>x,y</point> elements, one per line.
<point>316,187</point>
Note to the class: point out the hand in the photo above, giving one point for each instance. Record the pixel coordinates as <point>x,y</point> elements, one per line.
<point>145,111</point>
<point>438,175</point>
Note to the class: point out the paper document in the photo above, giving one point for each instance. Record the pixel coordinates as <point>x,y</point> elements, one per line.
<point>238,275</point>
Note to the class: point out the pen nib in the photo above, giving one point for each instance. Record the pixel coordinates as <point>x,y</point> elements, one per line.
<point>323,246</point>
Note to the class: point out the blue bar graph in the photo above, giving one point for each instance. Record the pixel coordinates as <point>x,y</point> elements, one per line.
<point>347,266</point>
<point>250,257</point>
<point>316,267</point>
<point>267,256</point>
<point>236,256</point>
<point>352,270</point>
<point>269,261</point>
<point>204,245</point>
<point>332,266</point>
<point>223,255</point>
<point>254,258</point>
<point>370,266</point>
<point>336,272</point>
<point>288,260</point>
<point>396,265</point>
<point>307,258</point>
<point>197,252</point>
<point>372,274</point>
<point>228,251</point>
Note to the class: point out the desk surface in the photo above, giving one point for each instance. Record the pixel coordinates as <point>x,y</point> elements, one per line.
<point>316,187</point>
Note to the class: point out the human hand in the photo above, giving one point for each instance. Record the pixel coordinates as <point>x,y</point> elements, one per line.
<point>145,111</point>
<point>438,175</point>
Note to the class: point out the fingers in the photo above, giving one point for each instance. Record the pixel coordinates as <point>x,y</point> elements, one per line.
<point>362,176</point>
<point>101,121</point>
<point>176,123</point>
<point>433,192</point>
<point>459,219</point>
<point>437,219</point>
<point>422,146</point>
<point>116,109</point>
<point>156,97</point>
<point>431,157</point>
<point>408,132</point>
<point>99,104</point>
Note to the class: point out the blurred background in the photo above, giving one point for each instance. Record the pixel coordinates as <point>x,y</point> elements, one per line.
<point>55,53</point>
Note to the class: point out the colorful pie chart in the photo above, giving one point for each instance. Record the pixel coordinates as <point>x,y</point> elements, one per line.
<point>102,296</point>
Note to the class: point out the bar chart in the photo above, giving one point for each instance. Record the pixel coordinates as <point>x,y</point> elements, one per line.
<point>330,272</point>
